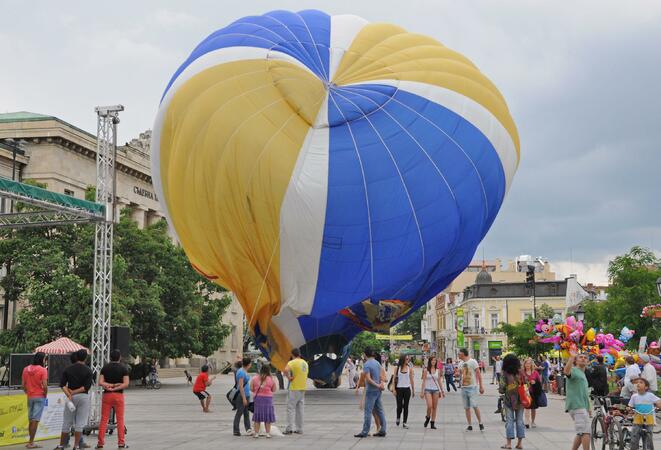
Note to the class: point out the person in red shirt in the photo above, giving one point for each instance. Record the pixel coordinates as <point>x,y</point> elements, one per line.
<point>200,388</point>
<point>35,385</point>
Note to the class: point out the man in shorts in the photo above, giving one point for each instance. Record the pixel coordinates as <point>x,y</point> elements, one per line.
<point>577,401</point>
<point>471,378</point>
<point>35,385</point>
<point>200,388</point>
<point>76,382</point>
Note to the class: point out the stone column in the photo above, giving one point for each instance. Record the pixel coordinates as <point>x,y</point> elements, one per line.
<point>120,203</point>
<point>138,214</point>
<point>153,217</point>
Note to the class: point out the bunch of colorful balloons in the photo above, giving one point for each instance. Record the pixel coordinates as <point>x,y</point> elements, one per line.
<point>570,337</point>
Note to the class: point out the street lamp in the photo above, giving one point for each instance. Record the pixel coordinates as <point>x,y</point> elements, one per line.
<point>580,313</point>
<point>658,285</point>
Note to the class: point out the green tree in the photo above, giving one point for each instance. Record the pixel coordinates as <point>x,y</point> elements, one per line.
<point>633,286</point>
<point>411,325</point>
<point>363,340</point>
<point>171,310</point>
<point>545,311</point>
<point>521,338</point>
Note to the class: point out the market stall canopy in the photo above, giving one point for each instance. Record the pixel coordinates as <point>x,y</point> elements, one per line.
<point>60,346</point>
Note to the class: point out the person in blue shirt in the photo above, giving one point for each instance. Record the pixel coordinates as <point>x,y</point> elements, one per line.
<point>374,386</point>
<point>242,400</point>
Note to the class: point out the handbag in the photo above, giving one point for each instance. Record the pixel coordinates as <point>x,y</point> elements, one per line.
<point>232,393</point>
<point>392,384</point>
<point>542,401</point>
<point>251,405</point>
<point>524,394</point>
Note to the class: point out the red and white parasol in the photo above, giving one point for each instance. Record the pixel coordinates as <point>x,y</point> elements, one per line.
<point>60,346</point>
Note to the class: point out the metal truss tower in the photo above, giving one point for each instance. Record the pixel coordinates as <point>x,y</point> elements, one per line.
<point>106,152</point>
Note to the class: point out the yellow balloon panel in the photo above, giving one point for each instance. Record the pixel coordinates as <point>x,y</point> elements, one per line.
<point>228,147</point>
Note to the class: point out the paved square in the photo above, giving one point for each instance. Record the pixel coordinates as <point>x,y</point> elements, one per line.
<point>171,418</point>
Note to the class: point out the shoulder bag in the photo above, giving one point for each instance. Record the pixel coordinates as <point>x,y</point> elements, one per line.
<point>233,393</point>
<point>524,393</point>
<point>251,405</point>
<point>392,384</point>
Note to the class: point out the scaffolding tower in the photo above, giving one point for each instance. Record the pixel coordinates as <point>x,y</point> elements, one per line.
<point>106,153</point>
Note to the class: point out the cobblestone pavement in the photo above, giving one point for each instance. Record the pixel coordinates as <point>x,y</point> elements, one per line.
<point>171,418</point>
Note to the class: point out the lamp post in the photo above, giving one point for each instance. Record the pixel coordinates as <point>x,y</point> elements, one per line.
<point>580,313</point>
<point>658,286</point>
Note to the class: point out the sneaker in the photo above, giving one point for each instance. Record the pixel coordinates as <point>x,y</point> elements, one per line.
<point>405,426</point>
<point>534,425</point>
<point>287,432</point>
<point>268,435</point>
<point>360,435</point>
<point>256,436</point>
<point>397,422</point>
<point>250,432</point>
<point>481,427</point>
<point>469,428</point>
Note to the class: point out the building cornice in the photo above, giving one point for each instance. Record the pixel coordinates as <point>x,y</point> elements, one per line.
<point>76,140</point>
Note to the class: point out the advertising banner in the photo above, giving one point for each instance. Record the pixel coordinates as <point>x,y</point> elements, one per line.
<point>14,419</point>
<point>460,327</point>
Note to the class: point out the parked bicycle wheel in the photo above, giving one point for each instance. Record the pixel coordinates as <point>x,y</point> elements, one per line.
<point>156,385</point>
<point>614,435</point>
<point>598,429</point>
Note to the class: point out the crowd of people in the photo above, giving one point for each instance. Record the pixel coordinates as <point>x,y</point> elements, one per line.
<point>76,381</point>
<point>522,383</point>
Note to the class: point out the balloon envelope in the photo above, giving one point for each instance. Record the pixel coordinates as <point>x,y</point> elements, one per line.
<point>333,173</point>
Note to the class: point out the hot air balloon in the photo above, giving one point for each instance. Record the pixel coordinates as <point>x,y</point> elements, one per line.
<point>335,174</point>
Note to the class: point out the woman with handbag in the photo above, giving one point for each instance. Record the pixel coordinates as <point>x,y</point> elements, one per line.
<point>263,386</point>
<point>534,380</point>
<point>431,390</point>
<point>515,398</point>
<point>402,385</point>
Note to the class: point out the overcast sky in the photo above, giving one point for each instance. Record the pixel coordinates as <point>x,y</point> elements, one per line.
<point>582,80</point>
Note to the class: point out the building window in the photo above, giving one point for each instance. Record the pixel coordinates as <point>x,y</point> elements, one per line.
<point>69,192</point>
<point>527,315</point>
<point>476,321</point>
<point>494,321</point>
<point>235,340</point>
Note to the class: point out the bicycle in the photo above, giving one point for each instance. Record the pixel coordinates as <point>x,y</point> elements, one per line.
<point>153,382</point>
<point>600,422</point>
<point>623,421</point>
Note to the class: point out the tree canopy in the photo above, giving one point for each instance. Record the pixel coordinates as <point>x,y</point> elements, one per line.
<point>633,286</point>
<point>170,309</point>
<point>411,325</point>
<point>363,340</point>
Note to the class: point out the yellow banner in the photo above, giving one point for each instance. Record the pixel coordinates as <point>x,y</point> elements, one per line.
<point>14,419</point>
<point>394,337</point>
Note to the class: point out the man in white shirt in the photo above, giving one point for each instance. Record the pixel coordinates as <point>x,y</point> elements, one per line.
<point>471,379</point>
<point>632,372</point>
<point>649,372</point>
<point>499,369</point>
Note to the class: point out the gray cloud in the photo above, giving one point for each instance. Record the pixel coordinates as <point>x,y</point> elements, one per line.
<point>581,79</point>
